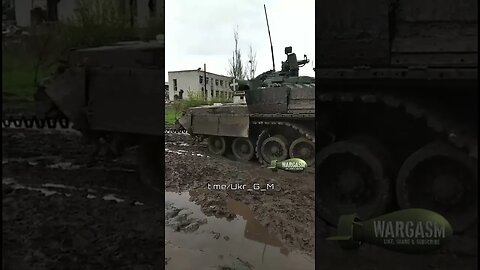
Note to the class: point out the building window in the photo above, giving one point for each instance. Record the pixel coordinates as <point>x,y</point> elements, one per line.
<point>206,80</point>
<point>152,6</point>
<point>133,11</point>
<point>52,11</point>
<point>200,79</point>
<point>221,82</point>
<point>217,93</point>
<point>216,82</point>
<point>174,84</point>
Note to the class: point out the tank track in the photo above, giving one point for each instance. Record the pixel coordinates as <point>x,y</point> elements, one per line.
<point>455,134</point>
<point>442,125</point>
<point>35,122</point>
<point>302,130</point>
<point>175,131</point>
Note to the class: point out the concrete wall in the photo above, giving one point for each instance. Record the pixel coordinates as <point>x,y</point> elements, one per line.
<point>22,12</point>
<point>144,14</point>
<point>189,81</point>
<point>167,93</point>
<point>66,10</point>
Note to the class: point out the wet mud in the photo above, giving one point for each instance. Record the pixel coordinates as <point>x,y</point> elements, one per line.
<point>240,242</point>
<point>61,210</point>
<point>44,166</point>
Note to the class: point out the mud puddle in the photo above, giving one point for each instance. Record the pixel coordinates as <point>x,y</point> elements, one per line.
<point>196,241</point>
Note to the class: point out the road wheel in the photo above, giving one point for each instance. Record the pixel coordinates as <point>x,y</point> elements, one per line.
<point>441,178</point>
<point>217,145</point>
<point>353,177</point>
<point>304,149</point>
<point>242,149</point>
<point>275,148</point>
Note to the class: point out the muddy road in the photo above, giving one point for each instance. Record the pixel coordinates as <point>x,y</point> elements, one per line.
<point>284,218</point>
<point>64,210</point>
<point>266,224</point>
<point>67,208</point>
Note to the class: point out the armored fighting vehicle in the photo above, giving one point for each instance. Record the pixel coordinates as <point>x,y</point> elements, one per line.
<point>114,94</point>
<point>277,121</point>
<point>397,89</point>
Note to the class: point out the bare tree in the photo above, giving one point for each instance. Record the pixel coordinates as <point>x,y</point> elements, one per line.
<point>236,69</point>
<point>252,63</point>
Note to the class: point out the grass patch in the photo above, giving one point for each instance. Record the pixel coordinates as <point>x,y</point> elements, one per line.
<point>170,117</point>
<point>18,75</point>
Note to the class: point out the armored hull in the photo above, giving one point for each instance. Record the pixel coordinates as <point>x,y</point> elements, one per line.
<point>276,123</point>
<point>113,95</point>
<point>396,104</point>
<point>397,87</point>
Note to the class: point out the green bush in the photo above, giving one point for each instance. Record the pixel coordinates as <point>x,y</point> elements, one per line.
<point>95,23</point>
<point>98,22</point>
<point>197,98</point>
<point>193,99</point>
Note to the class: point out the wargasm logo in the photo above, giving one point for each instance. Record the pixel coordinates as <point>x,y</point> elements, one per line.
<point>291,165</point>
<point>409,231</point>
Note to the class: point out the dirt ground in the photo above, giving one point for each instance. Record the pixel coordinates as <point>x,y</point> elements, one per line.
<point>62,211</point>
<point>59,212</point>
<point>288,212</point>
<point>286,209</point>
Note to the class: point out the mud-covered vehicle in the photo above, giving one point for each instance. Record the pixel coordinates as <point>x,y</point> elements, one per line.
<point>397,87</point>
<point>396,104</point>
<point>114,94</point>
<point>277,122</point>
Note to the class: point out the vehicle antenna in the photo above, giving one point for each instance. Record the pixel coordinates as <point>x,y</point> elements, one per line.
<point>268,27</point>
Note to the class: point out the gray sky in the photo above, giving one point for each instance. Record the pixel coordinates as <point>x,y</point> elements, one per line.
<point>199,32</point>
